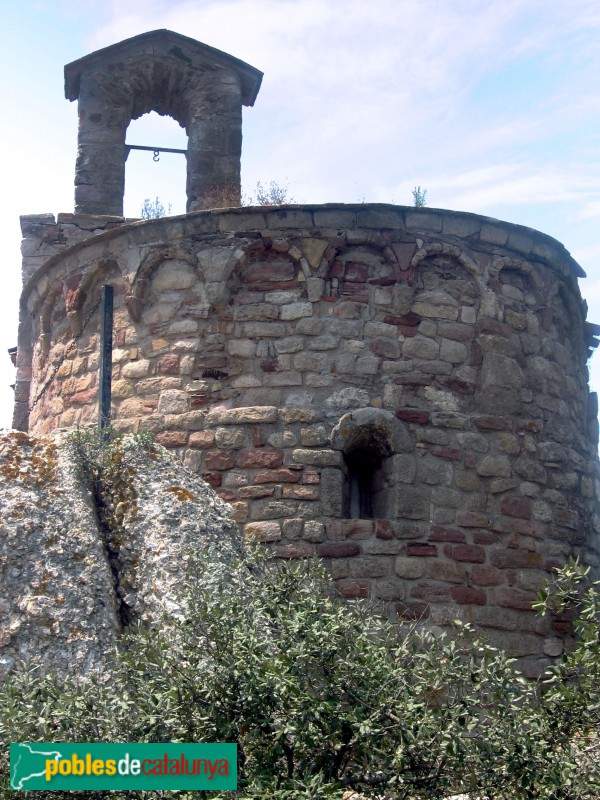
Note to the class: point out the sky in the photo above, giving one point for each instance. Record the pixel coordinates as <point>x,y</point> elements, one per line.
<point>492,106</point>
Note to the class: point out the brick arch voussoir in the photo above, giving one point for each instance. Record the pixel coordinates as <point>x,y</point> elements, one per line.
<point>377,424</point>
<point>478,272</point>
<point>450,250</point>
<point>500,263</point>
<point>372,239</point>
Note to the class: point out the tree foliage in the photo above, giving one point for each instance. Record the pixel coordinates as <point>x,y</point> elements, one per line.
<point>323,697</point>
<point>154,209</point>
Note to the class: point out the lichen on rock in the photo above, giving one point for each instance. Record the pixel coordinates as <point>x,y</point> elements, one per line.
<point>64,583</point>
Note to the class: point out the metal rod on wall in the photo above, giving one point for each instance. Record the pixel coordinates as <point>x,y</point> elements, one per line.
<point>106,333</point>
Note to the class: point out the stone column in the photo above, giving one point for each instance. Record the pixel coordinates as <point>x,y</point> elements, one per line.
<point>215,148</point>
<point>101,154</point>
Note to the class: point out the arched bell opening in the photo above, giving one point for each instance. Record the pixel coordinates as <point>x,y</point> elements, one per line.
<point>201,88</point>
<point>157,176</point>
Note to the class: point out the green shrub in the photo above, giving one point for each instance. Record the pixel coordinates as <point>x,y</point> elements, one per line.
<point>323,697</point>
<point>419,197</point>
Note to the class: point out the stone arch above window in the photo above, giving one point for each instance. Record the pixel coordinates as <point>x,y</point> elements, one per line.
<point>443,280</point>
<point>363,272</point>
<point>202,88</point>
<point>369,438</point>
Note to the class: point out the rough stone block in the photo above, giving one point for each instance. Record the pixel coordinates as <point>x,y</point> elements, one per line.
<point>310,362</point>
<point>277,476</point>
<point>453,352</point>
<point>467,595</point>
<point>442,533</point>
<point>472,519</point>
<point>331,492</point>
<point>317,458</point>
<point>498,370</point>
<point>173,401</point>
<point>369,365</point>
<point>468,552</point>
<point>431,311</point>
<point>172,438</point>
<point>430,591</point>
<point>219,459</point>
<point>529,468</point>
<point>231,438</point>
<point>315,436</point>
<point>421,549</point>
<point>296,311</point>
<point>413,503</point>
<point>445,571</point>
<point>285,218</point>
<point>482,575</point>
<point>355,588</point>
<point>370,567</point>
<point>299,414</point>
<point>314,531</point>
<point>494,467</point>
<point>136,369</point>
<point>255,492</point>
<point>266,531</point>
<point>239,416</point>
<point>516,507</point>
<point>382,547</point>
<point>507,597</point>
<point>420,347</point>
<point>515,559</point>
<point>385,347</point>
<point>338,549</point>
<point>301,492</point>
<point>259,458</point>
<point>259,330</point>
<point>315,289</point>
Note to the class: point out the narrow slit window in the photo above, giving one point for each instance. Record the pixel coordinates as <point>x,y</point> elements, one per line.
<point>363,483</point>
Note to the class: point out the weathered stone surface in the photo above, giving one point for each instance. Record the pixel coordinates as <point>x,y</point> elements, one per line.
<point>135,369</point>
<point>296,311</point>
<point>490,475</point>
<point>172,401</point>
<point>493,466</point>
<point>421,347</point>
<point>239,416</point>
<point>56,569</point>
<point>413,503</point>
<point>331,492</point>
<point>321,458</point>
<point>498,370</point>
<point>409,568</point>
<point>262,531</point>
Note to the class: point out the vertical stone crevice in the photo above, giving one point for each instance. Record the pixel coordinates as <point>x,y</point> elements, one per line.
<point>109,538</point>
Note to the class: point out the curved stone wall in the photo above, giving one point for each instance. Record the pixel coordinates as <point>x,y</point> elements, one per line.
<point>400,391</point>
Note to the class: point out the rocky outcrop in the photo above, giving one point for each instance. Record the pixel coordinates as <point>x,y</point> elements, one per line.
<point>70,576</point>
